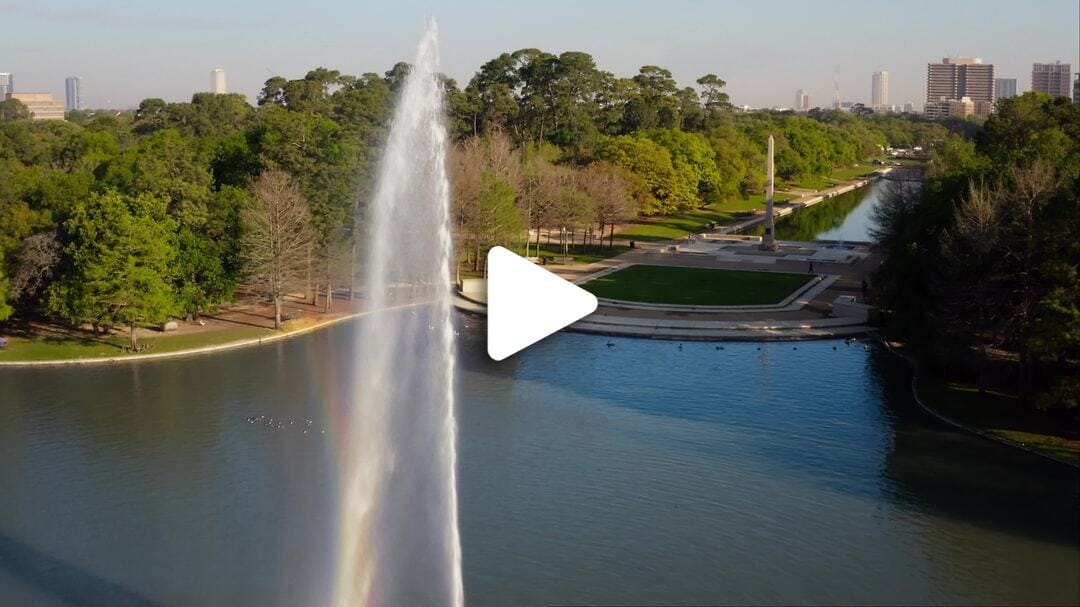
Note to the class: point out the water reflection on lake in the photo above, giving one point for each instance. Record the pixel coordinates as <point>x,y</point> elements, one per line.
<point>847,217</point>
<point>641,473</point>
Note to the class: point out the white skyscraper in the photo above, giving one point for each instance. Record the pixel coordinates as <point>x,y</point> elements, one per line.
<point>802,101</point>
<point>217,81</point>
<point>7,85</point>
<point>73,93</point>
<point>879,93</point>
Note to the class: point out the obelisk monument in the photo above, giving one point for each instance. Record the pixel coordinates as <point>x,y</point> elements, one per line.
<point>768,243</point>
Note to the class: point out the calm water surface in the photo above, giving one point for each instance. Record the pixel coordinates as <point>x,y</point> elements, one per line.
<point>847,217</point>
<point>642,473</point>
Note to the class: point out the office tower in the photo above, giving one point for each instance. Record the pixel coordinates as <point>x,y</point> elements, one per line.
<point>909,107</point>
<point>7,85</point>
<point>1076,90</point>
<point>217,81</point>
<point>836,89</point>
<point>1051,78</point>
<point>802,101</point>
<point>42,106</point>
<point>73,92</point>
<point>1004,88</point>
<point>879,91</point>
<point>959,77</point>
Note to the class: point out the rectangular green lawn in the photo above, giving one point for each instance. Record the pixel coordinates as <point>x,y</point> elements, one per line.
<point>696,286</point>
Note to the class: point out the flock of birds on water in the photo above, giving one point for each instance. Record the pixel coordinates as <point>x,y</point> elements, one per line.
<point>282,424</point>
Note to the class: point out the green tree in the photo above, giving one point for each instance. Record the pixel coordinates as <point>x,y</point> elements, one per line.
<point>691,156</point>
<point>716,101</point>
<point>5,307</point>
<point>118,259</point>
<point>670,188</point>
<point>13,109</point>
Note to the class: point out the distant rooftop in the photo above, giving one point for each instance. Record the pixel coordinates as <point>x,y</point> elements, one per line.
<point>962,60</point>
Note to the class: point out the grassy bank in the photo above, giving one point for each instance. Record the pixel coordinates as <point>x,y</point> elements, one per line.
<point>675,226</point>
<point>69,345</point>
<point>1002,415</point>
<point>680,225</point>
<point>696,286</point>
<point>754,202</point>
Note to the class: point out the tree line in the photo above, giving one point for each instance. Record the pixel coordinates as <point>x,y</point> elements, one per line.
<point>982,264</point>
<point>120,218</point>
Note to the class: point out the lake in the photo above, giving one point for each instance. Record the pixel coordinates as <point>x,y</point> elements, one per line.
<point>645,472</point>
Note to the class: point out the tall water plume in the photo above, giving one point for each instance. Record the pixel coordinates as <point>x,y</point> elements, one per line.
<point>398,533</point>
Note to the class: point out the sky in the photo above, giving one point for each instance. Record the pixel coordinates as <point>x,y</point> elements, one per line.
<point>128,50</point>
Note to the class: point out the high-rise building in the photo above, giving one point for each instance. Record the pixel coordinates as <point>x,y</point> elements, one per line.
<point>7,85</point>
<point>959,77</point>
<point>909,107</point>
<point>1051,78</point>
<point>73,93</point>
<point>1076,91</point>
<point>217,81</point>
<point>879,90</point>
<point>952,108</point>
<point>42,106</point>
<point>802,101</point>
<point>1004,88</point>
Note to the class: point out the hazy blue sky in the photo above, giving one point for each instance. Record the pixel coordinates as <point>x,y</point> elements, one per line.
<point>127,50</point>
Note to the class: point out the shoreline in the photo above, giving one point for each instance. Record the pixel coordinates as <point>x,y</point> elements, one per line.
<point>769,331</point>
<point>232,345</point>
<point>980,432</point>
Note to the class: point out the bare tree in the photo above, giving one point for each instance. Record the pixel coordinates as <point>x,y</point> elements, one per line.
<point>604,184</point>
<point>542,187</point>
<point>277,236</point>
<point>473,164</point>
<point>37,260</point>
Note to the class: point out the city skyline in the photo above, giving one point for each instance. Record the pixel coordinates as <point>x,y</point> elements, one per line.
<point>128,57</point>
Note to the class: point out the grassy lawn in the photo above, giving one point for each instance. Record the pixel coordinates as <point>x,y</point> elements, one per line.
<point>854,172</point>
<point>753,203</point>
<point>68,346</point>
<point>673,227</point>
<point>813,182</point>
<point>820,182</point>
<point>696,286</point>
<point>592,254</point>
<point>1003,415</point>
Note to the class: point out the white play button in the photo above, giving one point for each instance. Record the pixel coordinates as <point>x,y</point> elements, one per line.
<point>526,303</point>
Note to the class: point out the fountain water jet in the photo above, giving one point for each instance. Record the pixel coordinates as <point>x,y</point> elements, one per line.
<point>398,534</point>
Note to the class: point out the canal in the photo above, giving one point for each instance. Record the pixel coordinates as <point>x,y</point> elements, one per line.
<point>847,217</point>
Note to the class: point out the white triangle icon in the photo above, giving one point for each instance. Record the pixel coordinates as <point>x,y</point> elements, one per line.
<point>526,303</point>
